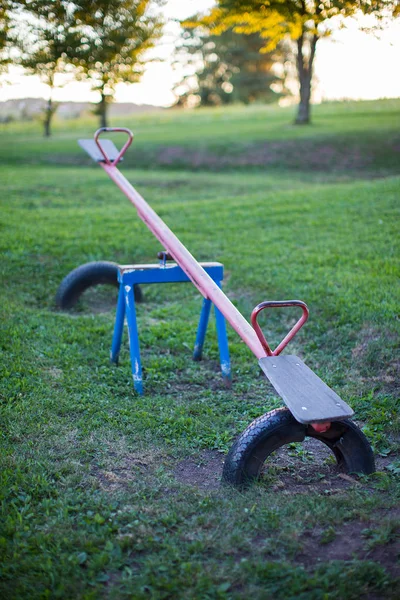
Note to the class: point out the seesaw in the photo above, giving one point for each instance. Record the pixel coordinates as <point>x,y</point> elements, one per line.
<point>313,409</point>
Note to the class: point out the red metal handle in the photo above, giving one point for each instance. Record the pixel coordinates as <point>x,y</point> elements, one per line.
<point>124,147</point>
<point>292,332</point>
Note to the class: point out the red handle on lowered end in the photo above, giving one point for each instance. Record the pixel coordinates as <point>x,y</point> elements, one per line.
<point>124,147</point>
<point>292,332</point>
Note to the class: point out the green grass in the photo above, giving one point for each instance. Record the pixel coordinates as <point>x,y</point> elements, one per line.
<point>92,501</point>
<point>360,138</point>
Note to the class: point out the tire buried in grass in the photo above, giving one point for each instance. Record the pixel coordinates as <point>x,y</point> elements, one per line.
<point>88,275</point>
<point>277,428</point>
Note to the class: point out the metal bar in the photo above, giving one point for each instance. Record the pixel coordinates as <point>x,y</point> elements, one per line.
<point>223,346</point>
<point>202,329</point>
<point>124,147</point>
<point>134,347</point>
<point>203,282</point>
<point>292,332</point>
<point>118,327</point>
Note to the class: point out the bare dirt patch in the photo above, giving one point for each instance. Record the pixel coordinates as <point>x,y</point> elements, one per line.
<point>124,468</point>
<point>298,468</point>
<point>54,373</point>
<point>306,467</point>
<point>203,472</point>
<point>310,466</point>
<point>165,184</point>
<point>351,541</point>
<point>376,539</point>
<point>97,300</point>
<point>304,154</point>
<point>294,469</point>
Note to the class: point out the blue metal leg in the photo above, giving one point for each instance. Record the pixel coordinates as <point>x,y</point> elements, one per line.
<point>126,307</point>
<point>118,327</point>
<point>133,338</point>
<point>223,346</point>
<point>201,329</point>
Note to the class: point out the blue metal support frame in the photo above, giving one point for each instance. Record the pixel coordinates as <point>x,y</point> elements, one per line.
<point>132,275</point>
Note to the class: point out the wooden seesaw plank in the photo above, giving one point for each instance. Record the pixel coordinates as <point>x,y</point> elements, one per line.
<point>94,151</point>
<point>307,397</point>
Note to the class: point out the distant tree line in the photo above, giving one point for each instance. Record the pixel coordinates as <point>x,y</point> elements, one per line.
<point>230,55</point>
<point>101,41</point>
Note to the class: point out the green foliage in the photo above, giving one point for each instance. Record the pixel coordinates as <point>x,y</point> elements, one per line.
<point>46,38</point>
<point>304,22</point>
<point>114,38</point>
<point>226,68</point>
<point>276,19</point>
<point>4,35</point>
<point>102,41</point>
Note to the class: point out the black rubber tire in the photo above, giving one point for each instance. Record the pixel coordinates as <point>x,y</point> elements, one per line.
<point>277,428</point>
<point>88,275</point>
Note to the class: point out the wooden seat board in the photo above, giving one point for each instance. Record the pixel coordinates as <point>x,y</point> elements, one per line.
<point>93,150</point>
<point>308,398</point>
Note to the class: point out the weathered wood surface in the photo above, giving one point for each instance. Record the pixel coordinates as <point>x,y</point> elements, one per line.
<point>308,398</point>
<point>93,150</point>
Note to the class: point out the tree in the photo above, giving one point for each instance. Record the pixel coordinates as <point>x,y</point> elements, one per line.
<point>100,40</point>
<point>50,35</point>
<point>226,68</point>
<point>303,21</point>
<point>115,37</point>
<point>5,35</point>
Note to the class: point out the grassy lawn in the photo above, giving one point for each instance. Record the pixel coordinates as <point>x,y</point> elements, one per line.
<point>105,494</point>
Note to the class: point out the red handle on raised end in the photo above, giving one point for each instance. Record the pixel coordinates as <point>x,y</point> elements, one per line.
<point>292,332</point>
<point>124,147</point>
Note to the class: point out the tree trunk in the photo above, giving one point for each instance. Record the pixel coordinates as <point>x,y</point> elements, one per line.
<point>49,111</point>
<point>305,73</point>
<point>303,110</point>
<point>103,111</point>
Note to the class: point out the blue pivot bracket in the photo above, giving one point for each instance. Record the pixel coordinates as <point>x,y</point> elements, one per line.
<point>131,275</point>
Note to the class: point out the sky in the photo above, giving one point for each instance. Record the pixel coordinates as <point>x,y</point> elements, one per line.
<point>349,65</point>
